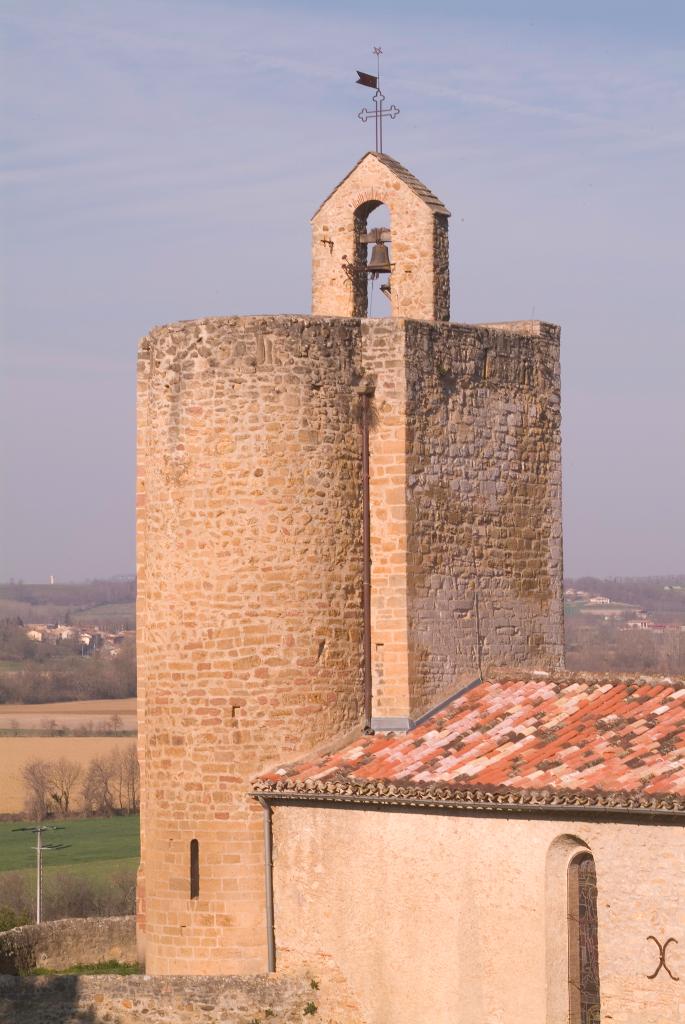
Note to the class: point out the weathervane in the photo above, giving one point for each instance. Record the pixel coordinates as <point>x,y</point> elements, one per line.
<point>374,82</point>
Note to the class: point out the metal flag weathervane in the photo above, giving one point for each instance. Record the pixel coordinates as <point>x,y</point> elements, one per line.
<point>374,82</point>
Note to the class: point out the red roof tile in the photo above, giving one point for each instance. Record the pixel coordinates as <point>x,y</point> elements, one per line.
<point>572,739</point>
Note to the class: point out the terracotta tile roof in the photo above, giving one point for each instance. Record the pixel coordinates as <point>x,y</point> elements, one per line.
<point>588,741</point>
<point>421,190</point>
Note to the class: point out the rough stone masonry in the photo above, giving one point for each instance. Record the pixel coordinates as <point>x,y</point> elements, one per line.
<point>250,557</point>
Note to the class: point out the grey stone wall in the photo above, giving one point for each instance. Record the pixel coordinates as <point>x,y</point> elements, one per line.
<point>484,500</point>
<point>60,944</point>
<point>110,999</point>
<point>441,267</point>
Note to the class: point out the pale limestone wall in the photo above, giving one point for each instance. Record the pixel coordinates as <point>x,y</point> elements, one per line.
<point>249,642</point>
<point>420,276</point>
<point>465,492</point>
<point>455,919</point>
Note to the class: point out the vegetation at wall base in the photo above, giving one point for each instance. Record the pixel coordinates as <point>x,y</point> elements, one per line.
<point>106,967</point>
<point>67,894</point>
<point>11,919</point>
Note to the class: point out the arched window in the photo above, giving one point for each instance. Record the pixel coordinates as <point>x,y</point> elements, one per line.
<point>194,869</point>
<point>583,953</point>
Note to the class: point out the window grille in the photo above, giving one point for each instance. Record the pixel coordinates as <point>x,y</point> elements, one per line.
<point>584,998</point>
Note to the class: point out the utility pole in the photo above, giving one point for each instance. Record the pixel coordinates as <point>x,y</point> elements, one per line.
<point>40,848</point>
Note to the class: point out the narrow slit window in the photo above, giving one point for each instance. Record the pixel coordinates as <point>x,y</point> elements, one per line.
<point>194,869</point>
<point>584,1000</point>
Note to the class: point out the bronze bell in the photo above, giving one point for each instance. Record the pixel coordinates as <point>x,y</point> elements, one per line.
<point>380,260</point>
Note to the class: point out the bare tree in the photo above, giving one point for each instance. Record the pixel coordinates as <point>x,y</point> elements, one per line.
<point>125,776</point>
<point>123,884</point>
<point>63,776</point>
<point>115,724</point>
<point>98,796</point>
<point>36,778</point>
<point>118,781</point>
<point>132,777</point>
<point>70,895</point>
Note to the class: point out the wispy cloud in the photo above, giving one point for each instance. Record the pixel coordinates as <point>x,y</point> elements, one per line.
<point>154,151</point>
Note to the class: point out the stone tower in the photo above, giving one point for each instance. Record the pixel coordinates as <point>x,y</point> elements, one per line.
<point>254,646</point>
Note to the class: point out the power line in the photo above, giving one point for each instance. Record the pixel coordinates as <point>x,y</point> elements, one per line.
<point>40,849</point>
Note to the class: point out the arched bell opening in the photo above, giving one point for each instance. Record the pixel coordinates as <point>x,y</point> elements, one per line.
<point>373,260</point>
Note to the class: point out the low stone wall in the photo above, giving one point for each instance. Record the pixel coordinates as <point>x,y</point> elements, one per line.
<point>281,998</point>
<point>60,944</point>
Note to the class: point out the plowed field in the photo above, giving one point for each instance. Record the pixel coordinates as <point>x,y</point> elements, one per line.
<point>16,751</point>
<point>69,713</point>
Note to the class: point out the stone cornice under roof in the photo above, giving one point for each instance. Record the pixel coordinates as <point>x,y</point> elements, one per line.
<point>578,743</point>
<point>459,798</point>
<point>421,190</point>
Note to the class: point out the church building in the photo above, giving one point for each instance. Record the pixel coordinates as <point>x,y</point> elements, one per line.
<point>360,751</point>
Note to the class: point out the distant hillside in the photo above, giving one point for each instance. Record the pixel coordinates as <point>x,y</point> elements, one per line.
<point>109,604</point>
<point>59,667</point>
<point>662,597</point>
<point>599,637</point>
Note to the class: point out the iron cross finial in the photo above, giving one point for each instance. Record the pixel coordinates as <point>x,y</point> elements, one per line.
<point>374,82</point>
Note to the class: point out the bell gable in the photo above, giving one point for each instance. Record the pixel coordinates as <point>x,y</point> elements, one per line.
<point>417,236</point>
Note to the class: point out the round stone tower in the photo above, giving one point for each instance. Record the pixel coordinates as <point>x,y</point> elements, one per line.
<point>250,620</point>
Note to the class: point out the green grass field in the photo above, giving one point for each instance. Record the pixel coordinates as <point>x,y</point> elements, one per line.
<point>97,847</point>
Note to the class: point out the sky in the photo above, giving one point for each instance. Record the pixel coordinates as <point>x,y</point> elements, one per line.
<point>161,161</point>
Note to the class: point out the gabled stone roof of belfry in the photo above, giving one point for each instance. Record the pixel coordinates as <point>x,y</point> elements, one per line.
<point>525,742</point>
<point>421,190</point>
